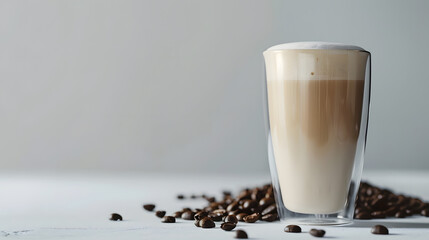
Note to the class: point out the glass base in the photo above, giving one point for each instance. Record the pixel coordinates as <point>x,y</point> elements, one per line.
<point>318,221</point>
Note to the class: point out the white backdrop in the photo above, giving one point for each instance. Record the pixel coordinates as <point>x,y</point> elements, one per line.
<point>177,85</point>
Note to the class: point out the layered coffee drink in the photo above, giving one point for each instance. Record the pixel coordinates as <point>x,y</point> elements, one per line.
<point>315,102</point>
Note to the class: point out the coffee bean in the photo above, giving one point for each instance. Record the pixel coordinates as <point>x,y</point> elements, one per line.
<point>115,217</point>
<point>378,214</point>
<point>180,196</point>
<point>363,215</point>
<point>241,216</point>
<point>251,218</point>
<point>221,212</point>
<point>197,223</point>
<point>228,226</point>
<point>168,219</point>
<point>233,206</point>
<point>264,202</point>
<point>215,217</point>
<point>231,219</point>
<point>400,214</point>
<point>149,207</point>
<point>226,193</point>
<point>240,234</point>
<point>211,199</point>
<point>293,228</point>
<point>271,217</point>
<point>317,232</point>
<point>178,214</point>
<point>188,215</point>
<point>207,223</point>
<point>270,209</point>
<point>200,215</point>
<point>248,204</point>
<point>193,196</point>
<point>186,209</point>
<point>379,229</point>
<point>160,214</point>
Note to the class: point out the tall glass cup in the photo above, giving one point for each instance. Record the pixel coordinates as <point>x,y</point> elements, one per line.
<point>317,114</point>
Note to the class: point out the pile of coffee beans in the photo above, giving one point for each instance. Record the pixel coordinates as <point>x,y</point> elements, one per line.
<point>257,204</point>
<point>373,202</point>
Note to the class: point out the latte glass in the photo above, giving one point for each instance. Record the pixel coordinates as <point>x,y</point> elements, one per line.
<point>317,102</point>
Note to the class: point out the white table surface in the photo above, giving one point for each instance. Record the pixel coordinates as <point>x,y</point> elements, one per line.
<point>78,206</point>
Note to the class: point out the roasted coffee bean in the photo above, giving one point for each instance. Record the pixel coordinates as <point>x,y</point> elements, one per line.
<point>378,214</point>
<point>180,196</point>
<point>241,216</point>
<point>160,214</point>
<point>240,234</point>
<point>168,219</point>
<point>271,217</point>
<point>231,219</point>
<point>248,204</point>
<point>197,223</point>
<point>264,202</point>
<point>207,223</point>
<point>149,207</point>
<point>178,214</point>
<point>363,215</point>
<point>200,215</point>
<point>188,215</point>
<point>293,228</point>
<point>115,217</point>
<point>233,206</point>
<point>226,193</point>
<point>379,229</point>
<point>221,212</point>
<point>216,217</point>
<point>257,194</point>
<point>391,211</point>
<point>193,196</point>
<point>270,209</point>
<point>228,226</point>
<point>400,214</point>
<point>186,209</point>
<point>317,232</point>
<point>211,199</point>
<point>251,218</point>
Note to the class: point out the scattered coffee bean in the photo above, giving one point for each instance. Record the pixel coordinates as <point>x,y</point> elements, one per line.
<point>252,217</point>
<point>270,209</point>
<point>241,216</point>
<point>231,219</point>
<point>207,223</point>
<point>180,196</point>
<point>379,229</point>
<point>400,214</point>
<point>200,215</point>
<point>265,202</point>
<point>317,232</point>
<point>186,209</point>
<point>193,196</point>
<point>116,217</point>
<point>178,214</point>
<point>160,214</point>
<point>149,207</point>
<point>271,217</point>
<point>188,215</point>
<point>363,215</point>
<point>293,228</point>
<point>228,226</point>
<point>168,219</point>
<point>240,234</point>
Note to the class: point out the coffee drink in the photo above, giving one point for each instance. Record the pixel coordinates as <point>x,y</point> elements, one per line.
<point>315,100</point>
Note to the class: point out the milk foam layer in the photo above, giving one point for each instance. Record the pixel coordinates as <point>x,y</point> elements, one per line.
<point>315,45</point>
<point>315,99</point>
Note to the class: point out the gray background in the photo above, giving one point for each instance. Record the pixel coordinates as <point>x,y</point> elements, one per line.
<point>177,85</point>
